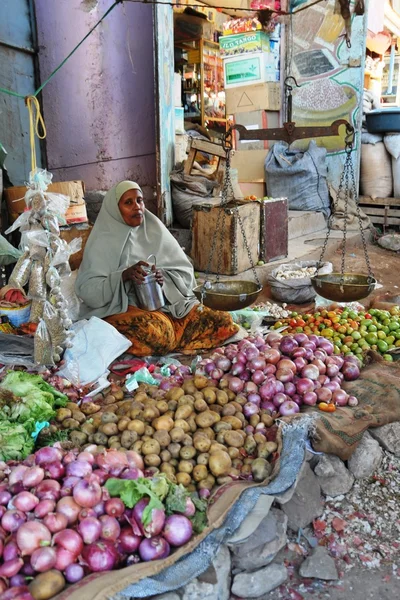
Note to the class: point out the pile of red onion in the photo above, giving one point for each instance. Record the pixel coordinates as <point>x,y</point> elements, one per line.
<point>279,374</point>
<point>55,513</point>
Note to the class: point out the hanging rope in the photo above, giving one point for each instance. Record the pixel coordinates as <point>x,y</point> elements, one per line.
<point>37,128</point>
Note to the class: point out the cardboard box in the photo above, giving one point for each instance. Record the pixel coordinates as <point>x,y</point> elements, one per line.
<point>250,165</point>
<point>242,43</point>
<point>262,96</point>
<point>253,188</point>
<point>255,67</point>
<point>75,190</point>
<point>256,119</point>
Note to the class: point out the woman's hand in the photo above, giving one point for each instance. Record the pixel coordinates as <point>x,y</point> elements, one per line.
<point>135,273</point>
<point>159,275</point>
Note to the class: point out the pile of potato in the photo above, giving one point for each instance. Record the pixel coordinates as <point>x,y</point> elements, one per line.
<point>194,433</point>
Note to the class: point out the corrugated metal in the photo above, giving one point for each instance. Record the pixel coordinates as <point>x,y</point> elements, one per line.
<point>17,73</point>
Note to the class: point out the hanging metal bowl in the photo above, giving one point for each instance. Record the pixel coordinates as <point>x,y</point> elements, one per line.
<point>229,295</point>
<point>354,286</point>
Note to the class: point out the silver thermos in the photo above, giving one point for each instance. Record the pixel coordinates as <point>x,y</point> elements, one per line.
<point>149,293</point>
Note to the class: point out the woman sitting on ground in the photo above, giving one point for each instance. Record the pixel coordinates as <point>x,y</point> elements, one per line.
<point>124,236</point>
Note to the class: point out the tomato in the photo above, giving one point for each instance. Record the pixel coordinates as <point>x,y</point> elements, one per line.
<point>325,407</point>
<point>293,323</point>
<point>367,316</point>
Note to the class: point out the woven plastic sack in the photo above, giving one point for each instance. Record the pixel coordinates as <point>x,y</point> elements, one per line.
<point>392,145</point>
<point>296,291</point>
<point>376,171</point>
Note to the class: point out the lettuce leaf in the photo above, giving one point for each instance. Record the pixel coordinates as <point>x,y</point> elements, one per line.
<point>24,384</point>
<point>15,441</point>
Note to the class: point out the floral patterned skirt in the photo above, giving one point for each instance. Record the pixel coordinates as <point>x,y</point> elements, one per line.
<point>155,333</point>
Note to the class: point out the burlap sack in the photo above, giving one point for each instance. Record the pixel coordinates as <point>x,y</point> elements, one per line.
<point>378,393</point>
<point>376,171</point>
<point>337,218</point>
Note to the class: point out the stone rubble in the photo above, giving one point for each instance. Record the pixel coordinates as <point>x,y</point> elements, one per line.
<point>302,546</point>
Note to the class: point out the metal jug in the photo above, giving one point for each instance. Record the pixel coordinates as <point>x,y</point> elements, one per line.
<point>149,293</point>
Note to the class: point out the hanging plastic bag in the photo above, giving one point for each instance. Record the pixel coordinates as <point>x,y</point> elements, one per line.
<point>8,254</point>
<point>21,222</point>
<point>57,204</point>
<point>50,223</point>
<point>53,278</point>
<point>39,179</point>
<point>54,325</point>
<point>36,311</point>
<point>63,251</point>
<point>37,283</point>
<point>43,353</point>
<point>37,202</point>
<point>20,274</point>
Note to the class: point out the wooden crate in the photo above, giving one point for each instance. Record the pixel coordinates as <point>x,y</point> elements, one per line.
<point>381,211</point>
<point>234,254</point>
<point>274,229</point>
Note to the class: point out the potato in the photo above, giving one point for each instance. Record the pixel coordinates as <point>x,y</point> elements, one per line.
<point>199,472</point>
<point>164,422</point>
<point>203,458</point>
<point>200,405</point>
<point>267,420</point>
<point>172,405</point>
<point>184,411</point>
<point>78,438</point>
<point>152,460</point>
<point>250,444</point>
<point>151,447</point>
<point>137,446</point>
<point>148,430</point>
<point>112,408</point>
<point>88,428</point>
<point>224,480</point>
<point>123,423</point>
<point>200,382</point>
<point>169,471</point>
<point>228,410</point>
<point>128,438</point>
<point>234,421</point>
<point>231,395</point>
<point>217,447</point>
<point>79,416</point>
<point>137,426</point>
<point>207,418</point>
<point>222,426</point>
<point>109,417</point>
<point>241,418</point>
<point>207,483</point>
<point>70,424</point>
<point>264,450</point>
<point>233,452</point>
<point>237,463</point>
<point>222,398</point>
<point>136,413</point>
<point>183,479</point>
<point>189,387</point>
<point>246,470</point>
<point>209,396</point>
<point>115,446</point>
<point>162,437</point>
<point>162,406</point>
<point>89,408</point>
<point>187,440</point>
<point>187,452</point>
<point>216,408</point>
<point>201,443</point>
<point>174,394</point>
<point>223,384</point>
<point>198,396</point>
<point>260,438</point>
<point>191,421</point>
<point>254,420</point>
<point>150,413</point>
<point>174,449</point>
<point>209,433</point>
<point>109,429</point>
<point>72,406</point>
<point>220,437</point>
<point>174,463</point>
<point>46,585</point>
<point>140,397</point>
<point>112,439</point>
<point>181,424</point>
<point>63,413</point>
<point>124,410</point>
<point>109,399</point>
<point>260,469</point>
<point>185,466</point>
<point>100,439</point>
<point>165,456</point>
<point>177,434</point>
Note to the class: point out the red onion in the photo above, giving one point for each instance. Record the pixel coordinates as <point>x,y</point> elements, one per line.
<point>353,359</point>
<point>55,522</point>
<point>245,376</point>
<point>110,528</point>
<point>272,356</point>
<point>258,377</point>
<point>223,363</point>
<point>12,520</point>
<point>268,390</point>
<point>301,338</point>
<point>154,527</point>
<point>177,530</point>
<point>17,593</point>
<point>32,477</point>
<point>114,507</point>
<point>310,372</point>
<point>25,501</point>
<point>323,379</point>
<point>100,556</point>
<point>64,558</point>
<point>43,559</point>
<point>284,375</point>
<point>324,394</point>
<point>310,398</point>
<point>4,588</point>
<point>273,336</point>
<point>48,489</point>
<point>128,541</point>
<point>90,530</point>
<point>250,387</point>
<point>86,456</point>
<point>155,548</point>
<point>235,385</point>
<point>204,493</point>
<point>352,401</point>
<point>350,371</point>
<point>333,386</point>
<point>99,509</point>
<point>254,399</point>
<point>69,540</point>
<point>332,370</point>
<point>309,355</point>
<point>32,535</point>
<point>237,369</point>
<point>55,470</point>
<point>27,569</point>
<point>289,408</point>
<point>289,388</point>
<point>10,550</point>
<point>47,455</point>
<point>190,509</point>
<point>250,409</point>
<point>131,474</point>
<point>44,508</point>
<point>325,345</point>
<point>74,573</point>
<point>69,508</point>
<point>11,567</point>
<point>256,364</point>
<point>299,353</point>
<point>17,580</point>
<point>69,483</point>
<point>304,385</point>
<point>320,354</point>
<point>340,397</point>
<point>309,345</point>
<point>288,345</point>
<point>16,475</point>
<point>279,399</point>
<point>85,513</point>
<point>298,399</point>
<point>79,468</point>
<point>5,497</point>
<point>321,366</point>
<point>209,368</point>
<point>300,363</point>
<point>251,351</point>
<point>286,363</point>
<point>269,406</point>
<point>87,493</point>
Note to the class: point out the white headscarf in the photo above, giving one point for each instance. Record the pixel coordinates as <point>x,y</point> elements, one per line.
<point>113,246</point>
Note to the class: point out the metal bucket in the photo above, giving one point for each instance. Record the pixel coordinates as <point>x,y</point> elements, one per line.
<point>149,293</point>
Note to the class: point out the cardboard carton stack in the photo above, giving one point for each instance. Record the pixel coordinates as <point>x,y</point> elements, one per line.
<point>253,94</point>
